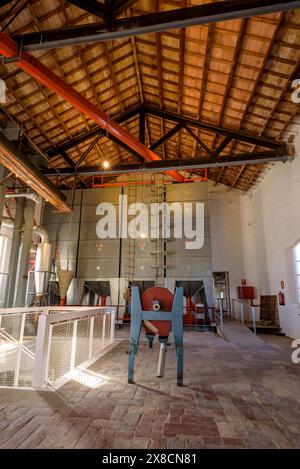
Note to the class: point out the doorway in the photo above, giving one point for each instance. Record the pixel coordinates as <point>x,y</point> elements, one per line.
<point>222,292</point>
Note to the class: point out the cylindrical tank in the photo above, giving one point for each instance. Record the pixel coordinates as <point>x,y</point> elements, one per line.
<point>42,268</point>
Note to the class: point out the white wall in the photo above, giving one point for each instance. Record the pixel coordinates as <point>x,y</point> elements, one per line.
<point>226,236</point>
<point>274,211</point>
<point>253,236</point>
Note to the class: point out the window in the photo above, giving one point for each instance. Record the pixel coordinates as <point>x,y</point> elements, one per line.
<point>297,268</point>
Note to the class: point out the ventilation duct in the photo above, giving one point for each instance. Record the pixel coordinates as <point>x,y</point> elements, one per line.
<point>42,258</point>
<point>18,195</point>
<point>42,233</point>
<point>42,268</point>
<point>37,229</point>
<point>8,222</point>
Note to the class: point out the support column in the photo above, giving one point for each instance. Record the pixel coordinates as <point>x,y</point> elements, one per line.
<point>25,254</point>
<point>3,174</point>
<point>14,254</point>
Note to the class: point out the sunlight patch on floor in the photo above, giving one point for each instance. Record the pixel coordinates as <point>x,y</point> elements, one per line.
<point>87,378</point>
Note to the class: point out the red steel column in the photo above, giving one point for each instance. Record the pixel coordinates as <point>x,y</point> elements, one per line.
<point>44,75</point>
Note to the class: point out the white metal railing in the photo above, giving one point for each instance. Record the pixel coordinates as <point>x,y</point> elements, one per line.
<point>253,314</point>
<point>245,307</point>
<point>219,311</point>
<point>4,278</point>
<point>40,346</point>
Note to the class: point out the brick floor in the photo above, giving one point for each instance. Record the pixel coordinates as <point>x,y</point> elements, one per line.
<point>234,397</point>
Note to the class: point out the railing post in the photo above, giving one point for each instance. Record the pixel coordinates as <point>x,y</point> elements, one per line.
<point>73,346</point>
<point>42,352</point>
<point>254,319</point>
<point>48,355</point>
<point>112,325</point>
<point>19,352</point>
<point>242,312</point>
<point>103,330</point>
<point>221,312</point>
<point>91,336</point>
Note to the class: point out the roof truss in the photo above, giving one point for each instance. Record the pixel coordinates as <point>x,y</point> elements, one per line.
<point>108,9</point>
<point>208,13</point>
<point>181,122</point>
<point>175,165</point>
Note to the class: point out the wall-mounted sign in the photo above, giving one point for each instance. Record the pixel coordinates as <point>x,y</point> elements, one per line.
<point>282,286</point>
<point>244,281</point>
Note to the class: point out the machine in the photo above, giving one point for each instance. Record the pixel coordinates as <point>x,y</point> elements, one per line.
<point>160,312</point>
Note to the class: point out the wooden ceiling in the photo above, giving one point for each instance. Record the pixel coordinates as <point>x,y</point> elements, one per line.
<point>235,74</point>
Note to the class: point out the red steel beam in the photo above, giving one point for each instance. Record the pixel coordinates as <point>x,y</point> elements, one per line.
<point>32,66</point>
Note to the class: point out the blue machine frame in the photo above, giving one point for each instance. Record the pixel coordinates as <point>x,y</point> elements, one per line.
<point>137,318</point>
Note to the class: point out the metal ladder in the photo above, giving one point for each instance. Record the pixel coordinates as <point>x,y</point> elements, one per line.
<point>131,244</point>
<point>159,251</point>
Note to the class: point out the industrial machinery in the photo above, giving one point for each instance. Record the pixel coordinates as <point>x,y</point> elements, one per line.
<point>160,311</point>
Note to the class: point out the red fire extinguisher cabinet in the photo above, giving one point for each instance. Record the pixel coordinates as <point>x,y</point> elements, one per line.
<point>246,293</point>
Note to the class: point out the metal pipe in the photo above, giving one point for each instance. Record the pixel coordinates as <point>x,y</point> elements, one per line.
<point>39,230</point>
<point>42,268</point>
<point>46,77</point>
<point>162,359</point>
<point>16,195</point>
<point>42,258</point>
<point>42,233</point>
<point>8,222</point>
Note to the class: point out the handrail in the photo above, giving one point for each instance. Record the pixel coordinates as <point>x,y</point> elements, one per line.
<point>56,316</point>
<point>242,304</point>
<point>220,314</point>
<point>48,318</point>
<point>47,309</point>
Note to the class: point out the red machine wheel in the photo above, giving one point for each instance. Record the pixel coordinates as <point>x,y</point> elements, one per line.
<point>165,298</point>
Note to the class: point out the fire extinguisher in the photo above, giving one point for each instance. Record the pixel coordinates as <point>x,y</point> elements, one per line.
<point>281,298</point>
